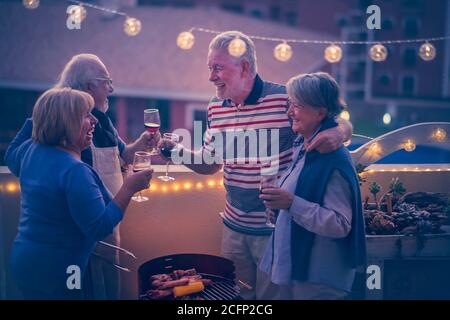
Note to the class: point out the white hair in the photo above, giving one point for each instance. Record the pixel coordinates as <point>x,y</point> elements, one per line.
<point>222,40</point>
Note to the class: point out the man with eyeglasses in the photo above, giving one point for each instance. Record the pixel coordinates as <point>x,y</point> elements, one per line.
<point>86,72</point>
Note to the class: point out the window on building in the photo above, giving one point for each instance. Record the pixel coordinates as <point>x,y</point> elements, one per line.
<point>409,57</point>
<point>411,27</point>
<point>237,8</point>
<point>342,21</point>
<point>152,2</point>
<point>275,13</point>
<point>291,18</point>
<point>387,24</point>
<point>411,3</point>
<point>201,115</point>
<point>408,85</point>
<point>384,79</point>
<point>256,13</point>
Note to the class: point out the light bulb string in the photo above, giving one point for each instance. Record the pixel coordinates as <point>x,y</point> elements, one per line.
<point>336,42</point>
<point>276,39</point>
<point>93,6</point>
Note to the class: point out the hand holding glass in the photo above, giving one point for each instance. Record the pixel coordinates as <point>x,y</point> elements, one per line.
<point>166,151</point>
<point>141,161</point>
<point>152,123</point>
<point>269,181</point>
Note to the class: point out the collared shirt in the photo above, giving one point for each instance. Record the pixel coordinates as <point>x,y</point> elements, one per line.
<point>331,221</point>
<point>251,133</point>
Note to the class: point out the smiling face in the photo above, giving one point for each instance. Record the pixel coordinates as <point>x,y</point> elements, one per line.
<point>305,119</point>
<point>227,75</point>
<point>86,130</point>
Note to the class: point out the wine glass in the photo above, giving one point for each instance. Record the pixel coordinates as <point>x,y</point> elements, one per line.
<point>141,161</point>
<point>152,123</point>
<point>166,151</point>
<point>269,179</point>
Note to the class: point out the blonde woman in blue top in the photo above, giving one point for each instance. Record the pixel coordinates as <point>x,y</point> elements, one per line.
<point>65,207</point>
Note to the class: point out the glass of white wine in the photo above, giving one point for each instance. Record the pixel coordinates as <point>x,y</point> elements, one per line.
<point>269,179</point>
<point>165,151</point>
<point>152,123</point>
<point>141,161</point>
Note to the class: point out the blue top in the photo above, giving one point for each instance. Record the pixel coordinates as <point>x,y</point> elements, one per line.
<point>65,210</point>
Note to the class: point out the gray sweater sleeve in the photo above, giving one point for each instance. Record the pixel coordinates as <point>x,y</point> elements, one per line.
<point>334,218</point>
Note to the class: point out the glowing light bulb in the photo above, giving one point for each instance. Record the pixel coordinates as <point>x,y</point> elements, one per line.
<point>439,135</point>
<point>374,148</point>
<point>427,51</point>
<point>283,52</point>
<point>199,185</point>
<point>387,118</point>
<point>378,53</point>
<point>176,187</point>
<point>185,40</point>
<point>211,183</point>
<point>164,188</point>
<point>12,187</point>
<point>78,13</point>
<point>132,26</point>
<point>345,115</point>
<point>237,47</point>
<point>187,186</point>
<point>333,53</point>
<point>31,4</point>
<point>409,145</point>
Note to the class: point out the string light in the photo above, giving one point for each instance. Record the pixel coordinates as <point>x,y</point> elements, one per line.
<point>387,118</point>
<point>211,183</point>
<point>439,135</point>
<point>78,13</point>
<point>378,52</point>
<point>237,47</point>
<point>374,149</point>
<point>409,145</point>
<point>345,115</point>
<point>333,53</point>
<point>185,40</point>
<point>31,4</point>
<point>132,26</point>
<point>12,187</point>
<point>427,51</point>
<point>283,52</point>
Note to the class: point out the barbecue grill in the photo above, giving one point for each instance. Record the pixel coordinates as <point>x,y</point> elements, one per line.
<point>218,269</point>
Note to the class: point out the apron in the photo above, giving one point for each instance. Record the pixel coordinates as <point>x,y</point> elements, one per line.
<point>105,278</point>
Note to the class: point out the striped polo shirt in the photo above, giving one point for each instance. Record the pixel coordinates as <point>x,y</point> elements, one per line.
<point>245,137</point>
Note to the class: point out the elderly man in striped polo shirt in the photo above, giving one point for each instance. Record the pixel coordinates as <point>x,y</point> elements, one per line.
<point>247,104</point>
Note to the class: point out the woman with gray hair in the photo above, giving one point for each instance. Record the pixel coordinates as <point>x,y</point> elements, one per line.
<point>319,237</point>
<point>65,207</point>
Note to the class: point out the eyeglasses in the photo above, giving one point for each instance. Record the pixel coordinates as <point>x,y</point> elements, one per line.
<point>109,81</point>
